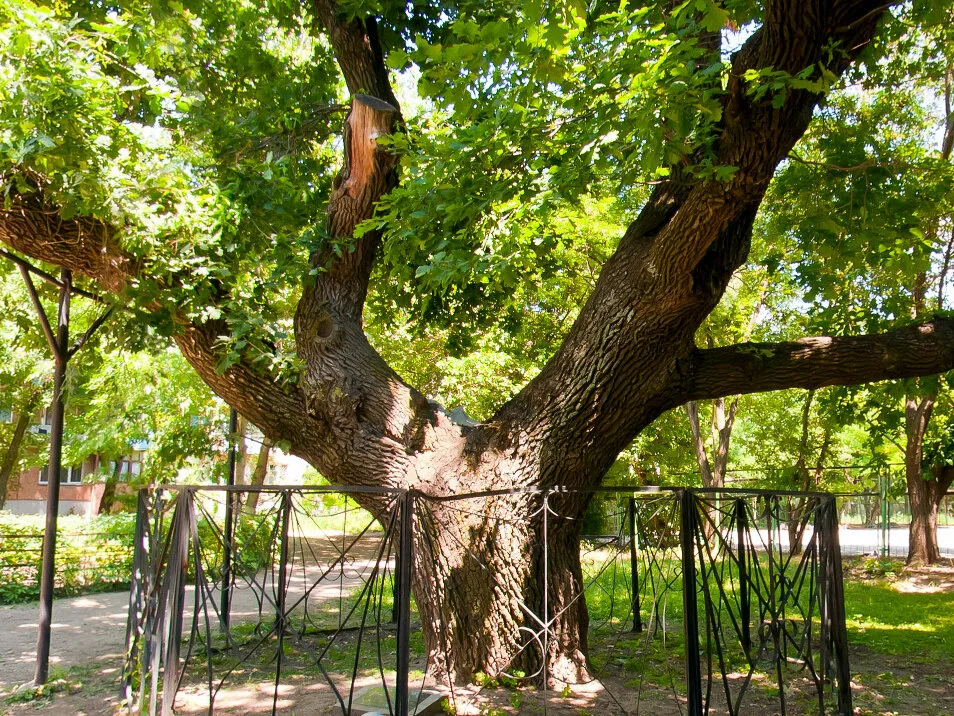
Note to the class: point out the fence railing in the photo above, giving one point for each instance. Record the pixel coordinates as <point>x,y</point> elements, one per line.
<point>876,523</point>
<point>706,601</point>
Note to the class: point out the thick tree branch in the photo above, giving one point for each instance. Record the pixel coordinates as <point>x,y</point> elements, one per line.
<point>923,349</point>
<point>91,248</point>
<point>358,51</point>
<point>613,374</point>
<point>85,246</point>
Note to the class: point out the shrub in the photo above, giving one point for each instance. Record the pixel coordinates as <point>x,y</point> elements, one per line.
<point>91,555</point>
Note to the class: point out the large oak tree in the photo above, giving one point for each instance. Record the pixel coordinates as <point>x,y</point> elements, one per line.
<point>179,156</point>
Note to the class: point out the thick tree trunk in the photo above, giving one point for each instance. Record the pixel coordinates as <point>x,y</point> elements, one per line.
<point>11,457</point>
<point>922,539</point>
<point>925,497</point>
<point>487,580</point>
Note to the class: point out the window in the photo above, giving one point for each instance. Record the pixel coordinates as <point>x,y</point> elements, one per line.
<point>68,475</point>
<point>6,415</point>
<point>130,467</point>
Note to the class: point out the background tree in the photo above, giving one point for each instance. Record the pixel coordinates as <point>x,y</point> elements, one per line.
<point>868,204</point>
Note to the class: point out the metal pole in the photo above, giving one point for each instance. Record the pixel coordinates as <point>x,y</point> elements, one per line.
<point>226,594</point>
<point>690,616</point>
<point>835,597</point>
<point>634,566</point>
<point>405,561</point>
<point>281,598</point>
<point>745,585</point>
<point>138,588</point>
<point>885,517</point>
<point>48,566</point>
<point>174,586</point>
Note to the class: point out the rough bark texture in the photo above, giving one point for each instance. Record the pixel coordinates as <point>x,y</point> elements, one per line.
<point>629,356</point>
<point>925,490</point>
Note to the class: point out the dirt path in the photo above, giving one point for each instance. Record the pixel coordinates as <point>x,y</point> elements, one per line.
<point>92,629</point>
<point>85,630</point>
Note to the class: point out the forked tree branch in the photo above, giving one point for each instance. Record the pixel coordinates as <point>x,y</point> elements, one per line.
<point>919,350</point>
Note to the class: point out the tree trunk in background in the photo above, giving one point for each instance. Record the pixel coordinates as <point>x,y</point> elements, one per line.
<point>11,458</point>
<point>241,450</point>
<point>258,475</point>
<point>721,423</point>
<point>924,493</point>
<point>808,479</point>
<point>109,492</point>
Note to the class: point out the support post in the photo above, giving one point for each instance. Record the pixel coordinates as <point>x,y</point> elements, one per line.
<point>282,596</point>
<point>883,484</point>
<point>690,615</point>
<point>174,587</point>
<point>226,593</point>
<point>634,566</point>
<point>833,599</point>
<point>745,586</point>
<point>405,561</point>
<point>138,588</point>
<point>59,346</point>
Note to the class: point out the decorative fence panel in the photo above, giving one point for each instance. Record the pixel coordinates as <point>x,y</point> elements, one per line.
<point>700,602</point>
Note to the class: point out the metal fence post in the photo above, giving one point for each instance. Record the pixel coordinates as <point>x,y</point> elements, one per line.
<point>745,585</point>
<point>174,587</point>
<point>690,615</point>
<point>404,564</point>
<point>137,589</point>
<point>833,600</point>
<point>227,532</point>
<point>884,484</point>
<point>634,566</point>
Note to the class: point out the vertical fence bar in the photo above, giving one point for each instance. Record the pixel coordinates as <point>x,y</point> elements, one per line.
<point>174,586</point>
<point>745,585</point>
<point>137,590</point>
<point>883,485</point>
<point>281,596</point>
<point>395,576</point>
<point>226,593</point>
<point>634,566</point>
<point>690,615</point>
<point>835,606</point>
<point>403,574</point>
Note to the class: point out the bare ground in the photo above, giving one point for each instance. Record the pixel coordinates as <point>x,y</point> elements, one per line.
<point>88,643</point>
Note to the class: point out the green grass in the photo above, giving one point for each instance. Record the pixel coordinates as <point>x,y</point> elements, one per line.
<point>919,626</point>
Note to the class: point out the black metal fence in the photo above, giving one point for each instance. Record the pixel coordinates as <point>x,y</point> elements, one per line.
<point>702,602</point>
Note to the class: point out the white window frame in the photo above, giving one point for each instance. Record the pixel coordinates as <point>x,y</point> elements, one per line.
<point>74,475</point>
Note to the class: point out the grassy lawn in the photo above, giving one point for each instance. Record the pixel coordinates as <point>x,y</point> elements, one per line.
<point>890,615</point>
